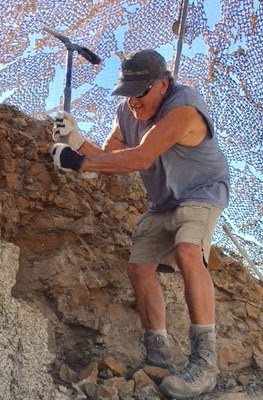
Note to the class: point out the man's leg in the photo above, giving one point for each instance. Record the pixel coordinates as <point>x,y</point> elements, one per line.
<point>199,289</point>
<point>148,295</point>
<point>200,374</point>
<point>151,308</point>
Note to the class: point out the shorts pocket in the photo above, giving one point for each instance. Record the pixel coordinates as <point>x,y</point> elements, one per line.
<point>192,213</point>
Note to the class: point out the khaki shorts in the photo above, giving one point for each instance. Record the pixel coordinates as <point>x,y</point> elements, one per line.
<point>156,234</point>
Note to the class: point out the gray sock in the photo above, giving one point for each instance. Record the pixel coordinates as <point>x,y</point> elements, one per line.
<point>162,332</point>
<point>203,328</point>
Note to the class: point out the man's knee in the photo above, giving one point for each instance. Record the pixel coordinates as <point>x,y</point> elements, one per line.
<point>141,272</point>
<point>188,255</point>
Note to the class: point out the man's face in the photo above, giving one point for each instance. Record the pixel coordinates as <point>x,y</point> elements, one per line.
<point>144,108</point>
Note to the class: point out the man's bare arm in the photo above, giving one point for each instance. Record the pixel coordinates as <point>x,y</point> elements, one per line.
<point>113,142</point>
<point>183,125</point>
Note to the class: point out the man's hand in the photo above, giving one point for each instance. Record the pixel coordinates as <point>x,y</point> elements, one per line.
<point>65,125</point>
<point>65,158</point>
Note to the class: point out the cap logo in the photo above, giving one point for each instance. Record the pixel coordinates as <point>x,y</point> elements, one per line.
<point>131,72</point>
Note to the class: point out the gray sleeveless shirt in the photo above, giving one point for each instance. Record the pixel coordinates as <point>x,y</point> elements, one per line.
<point>182,173</point>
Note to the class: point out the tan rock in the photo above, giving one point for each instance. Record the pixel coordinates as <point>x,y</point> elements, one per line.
<point>83,225</point>
<point>106,392</point>
<point>89,388</point>
<point>240,310</point>
<point>90,373</point>
<point>125,388</point>
<point>258,353</point>
<point>117,368</point>
<point>12,181</point>
<point>252,312</point>
<point>66,374</point>
<point>155,373</point>
<point>37,168</point>
<point>231,396</point>
<point>254,329</point>
<point>215,261</point>
<point>258,361</point>
<point>6,150</point>
<point>79,296</point>
<point>21,202</point>
<point>259,291</point>
<point>233,354</point>
<point>141,379</point>
<point>134,196</point>
<point>8,165</point>
<point>148,392</point>
<point>6,116</point>
<point>89,176</point>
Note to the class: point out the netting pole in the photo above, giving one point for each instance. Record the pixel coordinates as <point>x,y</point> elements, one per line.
<point>244,254</point>
<point>181,33</point>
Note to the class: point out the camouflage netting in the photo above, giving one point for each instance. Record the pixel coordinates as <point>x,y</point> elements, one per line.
<point>222,57</point>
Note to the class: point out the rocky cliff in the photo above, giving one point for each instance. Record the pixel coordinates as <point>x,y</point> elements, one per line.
<point>68,325</point>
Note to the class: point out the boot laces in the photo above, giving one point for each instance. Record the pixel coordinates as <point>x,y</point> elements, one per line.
<point>197,362</point>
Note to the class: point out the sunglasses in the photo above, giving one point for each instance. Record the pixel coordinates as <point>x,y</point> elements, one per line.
<point>147,90</point>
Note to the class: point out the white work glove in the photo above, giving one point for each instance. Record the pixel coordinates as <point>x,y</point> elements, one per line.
<point>66,126</point>
<point>65,158</point>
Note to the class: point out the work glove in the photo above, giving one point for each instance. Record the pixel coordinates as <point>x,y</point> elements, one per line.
<point>65,158</point>
<point>66,126</point>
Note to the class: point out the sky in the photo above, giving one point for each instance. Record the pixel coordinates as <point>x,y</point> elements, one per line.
<point>110,73</point>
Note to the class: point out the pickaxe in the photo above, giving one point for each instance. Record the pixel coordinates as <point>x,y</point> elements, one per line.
<point>84,52</point>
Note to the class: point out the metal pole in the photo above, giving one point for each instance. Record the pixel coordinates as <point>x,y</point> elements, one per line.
<point>244,254</point>
<point>67,90</point>
<point>181,34</point>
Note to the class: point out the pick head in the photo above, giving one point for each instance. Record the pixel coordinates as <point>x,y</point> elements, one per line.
<point>63,38</point>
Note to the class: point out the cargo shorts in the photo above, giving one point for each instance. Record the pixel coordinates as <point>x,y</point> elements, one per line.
<point>155,235</point>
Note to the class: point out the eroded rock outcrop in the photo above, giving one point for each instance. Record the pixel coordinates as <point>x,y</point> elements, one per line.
<point>24,356</point>
<point>74,232</point>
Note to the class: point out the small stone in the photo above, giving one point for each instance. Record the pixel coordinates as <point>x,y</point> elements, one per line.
<point>117,368</point>
<point>99,340</point>
<point>147,393</point>
<point>252,312</point>
<point>90,175</point>
<point>258,362</point>
<point>125,388</point>
<point>243,379</point>
<point>91,389</point>
<point>66,374</point>
<point>105,373</point>
<point>155,373</point>
<point>6,116</point>
<point>141,380</point>
<point>62,389</point>
<point>61,396</point>
<point>107,392</point>
<point>90,373</point>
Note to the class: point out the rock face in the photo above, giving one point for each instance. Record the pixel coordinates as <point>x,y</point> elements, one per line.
<point>25,358</point>
<point>74,233</point>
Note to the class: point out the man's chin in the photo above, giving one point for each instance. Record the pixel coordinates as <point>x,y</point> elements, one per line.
<point>141,116</point>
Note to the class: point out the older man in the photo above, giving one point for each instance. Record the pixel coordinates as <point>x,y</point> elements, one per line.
<point>164,131</point>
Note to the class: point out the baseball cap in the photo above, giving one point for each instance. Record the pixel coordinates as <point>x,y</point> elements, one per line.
<point>138,70</point>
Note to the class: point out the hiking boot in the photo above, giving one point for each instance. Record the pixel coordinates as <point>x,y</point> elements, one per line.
<point>199,376</point>
<point>158,351</point>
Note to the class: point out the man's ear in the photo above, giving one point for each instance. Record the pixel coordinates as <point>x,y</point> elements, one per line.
<point>164,85</point>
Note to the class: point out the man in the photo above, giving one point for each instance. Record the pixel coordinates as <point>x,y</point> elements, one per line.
<point>164,131</point>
